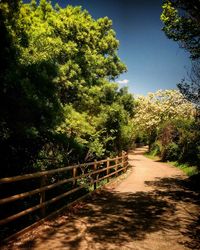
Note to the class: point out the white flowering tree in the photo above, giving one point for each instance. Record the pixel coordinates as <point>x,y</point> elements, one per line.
<point>156,108</point>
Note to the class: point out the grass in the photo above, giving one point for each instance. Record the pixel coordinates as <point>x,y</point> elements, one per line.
<point>152,156</point>
<point>186,168</point>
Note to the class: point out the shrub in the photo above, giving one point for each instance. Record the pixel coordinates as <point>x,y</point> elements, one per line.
<point>155,148</point>
<point>170,152</point>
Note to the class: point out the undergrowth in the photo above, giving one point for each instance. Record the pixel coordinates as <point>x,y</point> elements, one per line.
<point>185,167</point>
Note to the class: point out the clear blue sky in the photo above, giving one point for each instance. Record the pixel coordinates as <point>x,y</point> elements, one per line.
<point>153,61</point>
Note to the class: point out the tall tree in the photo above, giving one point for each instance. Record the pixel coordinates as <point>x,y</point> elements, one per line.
<point>157,108</point>
<point>29,107</point>
<point>57,92</point>
<point>181,20</point>
<point>191,90</point>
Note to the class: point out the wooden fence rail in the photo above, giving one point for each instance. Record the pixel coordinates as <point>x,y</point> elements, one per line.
<point>81,175</point>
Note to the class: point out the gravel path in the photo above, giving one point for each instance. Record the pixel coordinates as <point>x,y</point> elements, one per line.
<point>152,209</point>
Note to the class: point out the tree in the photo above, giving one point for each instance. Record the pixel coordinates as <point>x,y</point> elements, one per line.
<point>157,108</point>
<point>29,109</point>
<point>181,20</point>
<point>56,85</point>
<point>178,140</point>
<point>192,91</point>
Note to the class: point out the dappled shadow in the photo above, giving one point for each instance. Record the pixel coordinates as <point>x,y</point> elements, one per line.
<point>187,197</point>
<point>193,182</point>
<point>110,218</point>
<point>125,216</point>
<point>176,188</point>
<point>193,232</point>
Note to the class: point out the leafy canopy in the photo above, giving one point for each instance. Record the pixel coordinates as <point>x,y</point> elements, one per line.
<point>58,86</point>
<point>156,108</point>
<point>181,20</point>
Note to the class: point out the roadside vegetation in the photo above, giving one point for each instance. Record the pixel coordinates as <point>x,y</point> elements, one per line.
<point>185,167</point>
<point>169,121</point>
<point>59,100</point>
<point>61,105</point>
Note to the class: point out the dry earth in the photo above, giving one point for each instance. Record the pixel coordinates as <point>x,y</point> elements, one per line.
<point>152,209</point>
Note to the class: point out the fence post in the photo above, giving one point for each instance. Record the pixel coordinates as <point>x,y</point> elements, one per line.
<point>42,195</point>
<point>123,165</point>
<point>107,168</point>
<point>95,175</point>
<point>116,162</point>
<point>126,157</point>
<point>74,176</point>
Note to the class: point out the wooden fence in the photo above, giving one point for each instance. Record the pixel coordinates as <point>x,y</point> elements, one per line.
<point>80,176</point>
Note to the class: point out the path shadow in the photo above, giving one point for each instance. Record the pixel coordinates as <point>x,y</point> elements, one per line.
<point>186,194</point>
<point>111,218</point>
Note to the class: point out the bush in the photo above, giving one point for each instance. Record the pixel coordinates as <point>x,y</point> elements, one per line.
<point>155,148</point>
<point>170,152</point>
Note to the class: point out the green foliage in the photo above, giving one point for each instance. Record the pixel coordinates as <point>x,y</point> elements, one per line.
<point>169,122</point>
<point>178,140</point>
<point>57,101</point>
<point>191,90</point>
<point>171,152</point>
<point>155,149</point>
<point>189,170</point>
<point>181,23</point>
<point>155,109</point>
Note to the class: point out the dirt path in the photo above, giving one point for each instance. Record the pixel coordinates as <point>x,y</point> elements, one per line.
<point>152,209</point>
